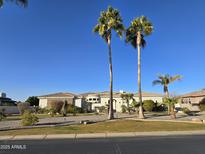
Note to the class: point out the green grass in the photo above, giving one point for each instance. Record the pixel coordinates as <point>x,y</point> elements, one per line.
<point>110,126</point>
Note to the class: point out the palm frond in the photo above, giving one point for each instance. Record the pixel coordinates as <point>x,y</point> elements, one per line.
<point>23,3</point>
<point>176,77</point>
<point>142,25</point>
<point>109,20</point>
<point>1,3</point>
<point>157,82</point>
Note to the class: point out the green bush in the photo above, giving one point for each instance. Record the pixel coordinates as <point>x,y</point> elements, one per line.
<point>186,110</point>
<point>41,110</point>
<point>2,115</point>
<point>102,109</point>
<point>29,119</point>
<point>202,105</point>
<point>123,108</point>
<point>70,108</point>
<point>148,105</point>
<point>23,106</point>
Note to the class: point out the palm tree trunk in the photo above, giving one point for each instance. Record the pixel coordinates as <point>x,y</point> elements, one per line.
<point>128,106</point>
<point>111,114</point>
<point>141,113</point>
<point>167,96</point>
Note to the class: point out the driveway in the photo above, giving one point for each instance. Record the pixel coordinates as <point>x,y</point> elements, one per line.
<point>57,121</point>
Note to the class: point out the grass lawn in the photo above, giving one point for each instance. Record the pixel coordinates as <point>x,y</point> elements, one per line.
<point>110,126</point>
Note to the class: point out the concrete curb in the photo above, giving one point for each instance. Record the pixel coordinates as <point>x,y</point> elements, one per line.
<point>101,135</point>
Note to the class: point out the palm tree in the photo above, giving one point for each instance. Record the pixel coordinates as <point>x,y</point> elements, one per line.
<point>165,80</point>
<point>127,97</point>
<point>139,28</point>
<point>23,3</point>
<point>107,22</point>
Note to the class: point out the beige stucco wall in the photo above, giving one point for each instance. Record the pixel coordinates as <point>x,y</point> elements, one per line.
<point>118,102</point>
<point>43,102</point>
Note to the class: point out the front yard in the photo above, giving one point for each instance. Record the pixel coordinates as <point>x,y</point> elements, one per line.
<point>110,126</point>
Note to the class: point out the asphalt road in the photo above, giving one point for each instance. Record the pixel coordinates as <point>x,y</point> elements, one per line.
<point>139,145</point>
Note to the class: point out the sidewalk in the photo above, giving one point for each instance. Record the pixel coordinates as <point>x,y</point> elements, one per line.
<point>100,135</point>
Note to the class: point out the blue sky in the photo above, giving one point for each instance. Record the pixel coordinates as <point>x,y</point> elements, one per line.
<point>49,47</point>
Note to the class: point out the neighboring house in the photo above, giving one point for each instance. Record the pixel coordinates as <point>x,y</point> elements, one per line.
<point>5,101</point>
<point>46,99</point>
<point>94,100</point>
<point>8,105</point>
<point>191,100</point>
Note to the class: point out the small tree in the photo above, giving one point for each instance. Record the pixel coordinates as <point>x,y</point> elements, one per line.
<point>127,97</point>
<point>148,105</point>
<point>171,101</point>
<point>33,100</point>
<point>29,119</point>
<point>65,108</point>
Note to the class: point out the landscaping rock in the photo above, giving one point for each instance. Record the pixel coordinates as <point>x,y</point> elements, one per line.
<point>196,120</point>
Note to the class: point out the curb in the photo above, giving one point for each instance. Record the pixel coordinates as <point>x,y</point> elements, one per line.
<point>100,135</point>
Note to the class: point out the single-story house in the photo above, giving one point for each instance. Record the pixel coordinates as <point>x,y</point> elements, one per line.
<point>94,100</point>
<point>192,100</point>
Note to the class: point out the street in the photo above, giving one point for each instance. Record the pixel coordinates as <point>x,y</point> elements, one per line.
<point>139,145</point>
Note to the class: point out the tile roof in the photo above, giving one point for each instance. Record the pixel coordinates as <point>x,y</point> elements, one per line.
<point>200,93</point>
<point>61,94</point>
<point>118,94</point>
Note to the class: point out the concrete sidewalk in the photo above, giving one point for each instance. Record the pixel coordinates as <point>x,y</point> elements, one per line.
<point>101,135</point>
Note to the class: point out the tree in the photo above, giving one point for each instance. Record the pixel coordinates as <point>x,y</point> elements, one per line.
<point>33,100</point>
<point>139,28</point>
<point>127,97</point>
<point>23,3</point>
<point>165,80</point>
<point>171,101</point>
<point>109,21</point>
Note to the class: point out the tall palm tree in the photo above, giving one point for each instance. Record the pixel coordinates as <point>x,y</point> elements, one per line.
<point>109,21</point>
<point>139,28</point>
<point>23,3</point>
<point>127,97</point>
<point>165,80</point>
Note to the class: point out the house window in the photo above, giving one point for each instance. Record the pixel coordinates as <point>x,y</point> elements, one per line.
<point>94,99</point>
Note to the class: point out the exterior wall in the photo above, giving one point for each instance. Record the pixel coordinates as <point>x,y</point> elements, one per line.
<point>78,102</point>
<point>69,100</point>
<point>192,103</point>
<point>155,99</point>
<point>10,109</point>
<point>43,103</point>
<point>118,102</point>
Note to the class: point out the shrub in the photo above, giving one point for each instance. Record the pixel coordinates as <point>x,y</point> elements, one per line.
<point>70,108</point>
<point>102,109</point>
<point>41,110</point>
<point>186,110</point>
<point>23,106</point>
<point>159,107</point>
<point>202,105</point>
<point>55,106</point>
<point>148,105</point>
<point>29,119</point>
<point>123,108</point>
<point>2,115</point>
